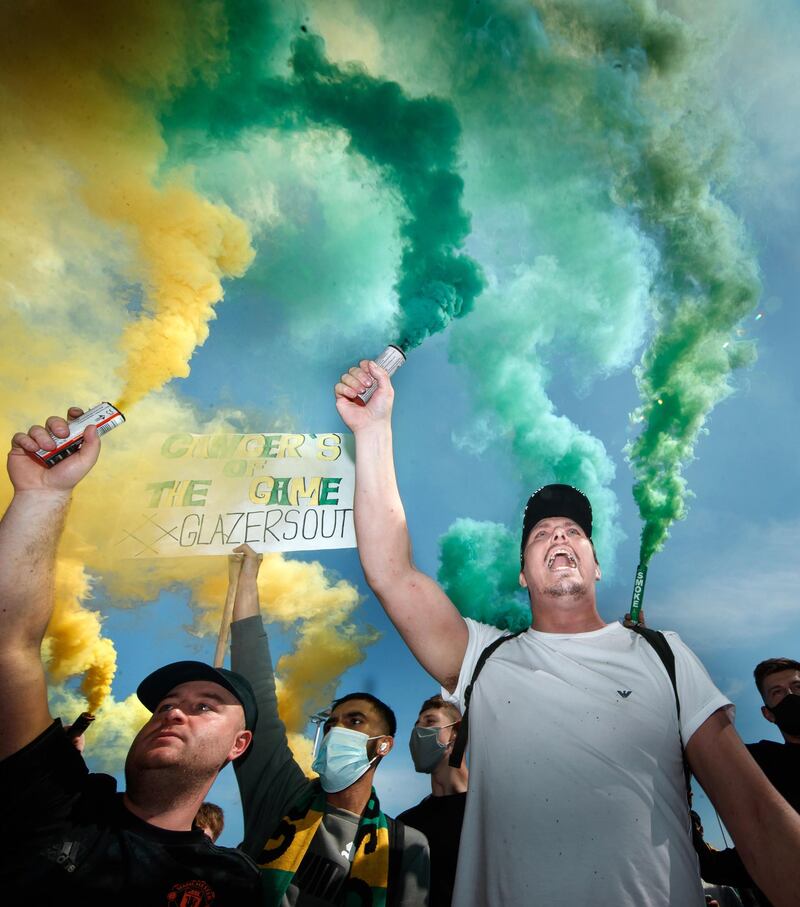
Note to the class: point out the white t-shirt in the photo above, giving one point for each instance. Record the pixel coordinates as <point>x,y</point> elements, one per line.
<point>576,788</point>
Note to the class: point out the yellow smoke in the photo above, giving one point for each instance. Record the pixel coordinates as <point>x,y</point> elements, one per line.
<point>303,751</point>
<point>327,644</point>
<point>83,84</point>
<point>187,246</point>
<point>75,644</point>
<point>110,266</point>
<point>111,734</point>
<point>324,651</point>
<point>87,212</point>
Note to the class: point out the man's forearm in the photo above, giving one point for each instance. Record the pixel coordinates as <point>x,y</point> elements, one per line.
<point>384,545</point>
<point>29,534</point>
<point>420,610</point>
<point>246,603</point>
<point>769,850</point>
<point>269,778</point>
<point>765,828</point>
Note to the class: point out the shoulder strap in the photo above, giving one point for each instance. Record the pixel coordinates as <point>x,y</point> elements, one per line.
<point>396,882</point>
<point>462,733</point>
<point>662,648</point>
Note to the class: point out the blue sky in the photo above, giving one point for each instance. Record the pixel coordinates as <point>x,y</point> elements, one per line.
<point>319,296</point>
<point>726,581</point>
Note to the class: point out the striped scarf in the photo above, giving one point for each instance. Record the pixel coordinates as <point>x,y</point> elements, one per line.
<point>369,871</point>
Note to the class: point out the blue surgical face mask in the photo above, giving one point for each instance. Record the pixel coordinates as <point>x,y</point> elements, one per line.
<point>342,758</point>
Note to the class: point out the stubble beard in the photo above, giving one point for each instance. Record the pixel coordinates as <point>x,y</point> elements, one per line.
<point>166,780</point>
<point>564,588</point>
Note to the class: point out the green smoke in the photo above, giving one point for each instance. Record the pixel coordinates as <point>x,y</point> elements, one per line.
<point>479,570</point>
<point>710,284</point>
<point>547,126</point>
<point>595,165</point>
<point>412,143</point>
<point>505,347</point>
<point>707,276</point>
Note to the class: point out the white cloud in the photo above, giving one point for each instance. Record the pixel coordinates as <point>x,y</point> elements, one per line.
<point>741,592</point>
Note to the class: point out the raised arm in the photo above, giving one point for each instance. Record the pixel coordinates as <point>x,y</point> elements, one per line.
<point>29,534</point>
<point>425,617</point>
<point>765,829</point>
<point>246,603</point>
<point>270,781</point>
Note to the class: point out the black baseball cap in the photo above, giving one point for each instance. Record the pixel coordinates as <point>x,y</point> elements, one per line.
<point>556,500</point>
<point>156,685</point>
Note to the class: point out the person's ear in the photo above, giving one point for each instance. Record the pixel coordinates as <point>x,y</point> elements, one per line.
<point>385,746</point>
<point>240,744</point>
<point>597,574</point>
<point>522,581</point>
<point>768,715</point>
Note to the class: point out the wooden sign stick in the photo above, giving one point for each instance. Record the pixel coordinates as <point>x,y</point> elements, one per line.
<point>234,569</point>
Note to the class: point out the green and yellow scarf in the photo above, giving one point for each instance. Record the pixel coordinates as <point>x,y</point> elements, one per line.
<point>369,870</point>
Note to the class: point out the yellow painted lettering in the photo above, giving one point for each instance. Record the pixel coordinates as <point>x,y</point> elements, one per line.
<point>301,487</point>
<point>329,447</point>
<point>251,446</point>
<point>289,445</point>
<point>261,489</point>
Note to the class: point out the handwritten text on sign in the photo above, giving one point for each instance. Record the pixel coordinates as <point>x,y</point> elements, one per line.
<point>277,492</point>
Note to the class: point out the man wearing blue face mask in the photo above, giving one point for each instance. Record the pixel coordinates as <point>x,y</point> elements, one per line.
<point>440,816</point>
<point>323,842</point>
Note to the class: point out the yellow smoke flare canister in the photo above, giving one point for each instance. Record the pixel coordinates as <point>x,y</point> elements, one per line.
<point>638,592</point>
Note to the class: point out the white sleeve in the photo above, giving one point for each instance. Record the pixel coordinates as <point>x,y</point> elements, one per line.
<point>697,692</point>
<point>480,635</point>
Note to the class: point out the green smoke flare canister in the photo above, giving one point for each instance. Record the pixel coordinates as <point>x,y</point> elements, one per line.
<point>638,593</point>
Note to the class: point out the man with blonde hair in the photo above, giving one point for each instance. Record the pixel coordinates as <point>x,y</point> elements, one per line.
<point>210,819</point>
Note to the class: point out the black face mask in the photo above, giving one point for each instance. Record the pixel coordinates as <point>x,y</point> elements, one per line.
<point>787,715</point>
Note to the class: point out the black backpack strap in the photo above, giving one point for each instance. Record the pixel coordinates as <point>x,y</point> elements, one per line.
<point>462,733</point>
<point>396,881</point>
<point>662,648</point>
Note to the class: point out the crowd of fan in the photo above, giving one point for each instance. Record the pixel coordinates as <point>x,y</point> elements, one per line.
<point>582,737</point>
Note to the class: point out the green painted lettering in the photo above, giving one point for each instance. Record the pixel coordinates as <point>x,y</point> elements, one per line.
<point>280,492</point>
<point>195,493</point>
<point>330,486</point>
<point>176,446</point>
<point>157,490</point>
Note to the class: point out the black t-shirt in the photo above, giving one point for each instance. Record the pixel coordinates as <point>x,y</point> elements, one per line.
<point>780,762</point>
<point>67,838</point>
<point>440,820</point>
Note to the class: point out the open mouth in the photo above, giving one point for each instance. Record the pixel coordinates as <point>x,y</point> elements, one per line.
<point>561,559</point>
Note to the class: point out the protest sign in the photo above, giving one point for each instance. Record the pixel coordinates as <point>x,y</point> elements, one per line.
<point>276,492</point>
